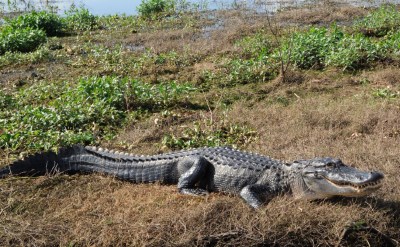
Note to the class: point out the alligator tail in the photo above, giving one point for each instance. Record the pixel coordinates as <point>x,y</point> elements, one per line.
<point>42,163</point>
<point>80,159</point>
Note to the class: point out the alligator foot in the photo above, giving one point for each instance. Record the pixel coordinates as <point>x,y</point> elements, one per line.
<point>194,192</point>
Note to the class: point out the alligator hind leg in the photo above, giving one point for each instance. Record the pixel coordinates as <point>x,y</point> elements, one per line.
<point>256,194</point>
<point>195,171</point>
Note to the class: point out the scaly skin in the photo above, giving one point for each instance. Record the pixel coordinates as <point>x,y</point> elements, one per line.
<point>254,177</point>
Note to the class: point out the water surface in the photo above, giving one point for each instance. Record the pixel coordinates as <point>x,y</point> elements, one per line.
<point>129,7</point>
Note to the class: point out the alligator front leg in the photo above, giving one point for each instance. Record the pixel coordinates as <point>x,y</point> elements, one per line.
<point>197,172</point>
<point>257,194</point>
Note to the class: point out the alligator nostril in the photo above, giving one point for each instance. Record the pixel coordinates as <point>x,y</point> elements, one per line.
<point>376,175</point>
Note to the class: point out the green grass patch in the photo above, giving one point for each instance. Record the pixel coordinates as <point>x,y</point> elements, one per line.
<point>49,115</point>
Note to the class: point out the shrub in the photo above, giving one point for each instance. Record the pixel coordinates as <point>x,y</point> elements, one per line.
<point>149,8</point>
<point>48,22</point>
<point>21,39</point>
<point>380,22</point>
<point>80,19</point>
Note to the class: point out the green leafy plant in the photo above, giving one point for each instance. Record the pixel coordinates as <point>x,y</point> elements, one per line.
<point>379,22</point>
<point>80,19</point>
<point>43,20</point>
<point>20,39</point>
<point>48,115</point>
<point>322,47</point>
<point>242,71</point>
<point>209,135</point>
<point>352,52</point>
<point>150,8</point>
<point>255,46</point>
<point>306,49</point>
<point>391,43</point>
<point>385,93</point>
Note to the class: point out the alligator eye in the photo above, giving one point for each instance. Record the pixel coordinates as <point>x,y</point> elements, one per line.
<point>331,165</point>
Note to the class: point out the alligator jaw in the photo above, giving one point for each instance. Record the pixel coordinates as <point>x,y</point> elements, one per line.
<point>358,189</point>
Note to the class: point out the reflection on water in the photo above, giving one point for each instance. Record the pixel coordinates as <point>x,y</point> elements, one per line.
<point>129,7</point>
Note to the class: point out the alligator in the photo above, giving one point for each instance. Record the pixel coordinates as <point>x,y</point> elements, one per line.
<point>256,178</point>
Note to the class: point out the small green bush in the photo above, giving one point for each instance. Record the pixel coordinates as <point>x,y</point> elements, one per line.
<point>150,8</point>
<point>20,39</point>
<point>48,22</point>
<point>379,22</point>
<point>80,19</point>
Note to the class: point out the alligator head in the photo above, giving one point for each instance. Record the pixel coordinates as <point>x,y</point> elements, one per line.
<point>327,177</point>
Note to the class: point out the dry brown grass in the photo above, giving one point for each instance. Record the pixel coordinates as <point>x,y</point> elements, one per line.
<point>324,14</point>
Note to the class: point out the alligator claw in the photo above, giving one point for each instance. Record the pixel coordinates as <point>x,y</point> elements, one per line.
<point>194,192</point>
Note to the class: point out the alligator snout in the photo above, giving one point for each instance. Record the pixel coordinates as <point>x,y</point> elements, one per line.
<point>375,176</point>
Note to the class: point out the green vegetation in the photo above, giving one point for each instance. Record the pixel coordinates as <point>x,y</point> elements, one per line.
<point>27,32</point>
<point>20,39</point>
<point>322,47</point>
<point>247,71</point>
<point>380,22</point>
<point>50,23</point>
<point>208,134</point>
<point>49,115</point>
<point>80,19</point>
<point>385,93</point>
<point>150,8</point>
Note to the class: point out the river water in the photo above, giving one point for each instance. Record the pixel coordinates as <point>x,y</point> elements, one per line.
<point>129,7</point>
